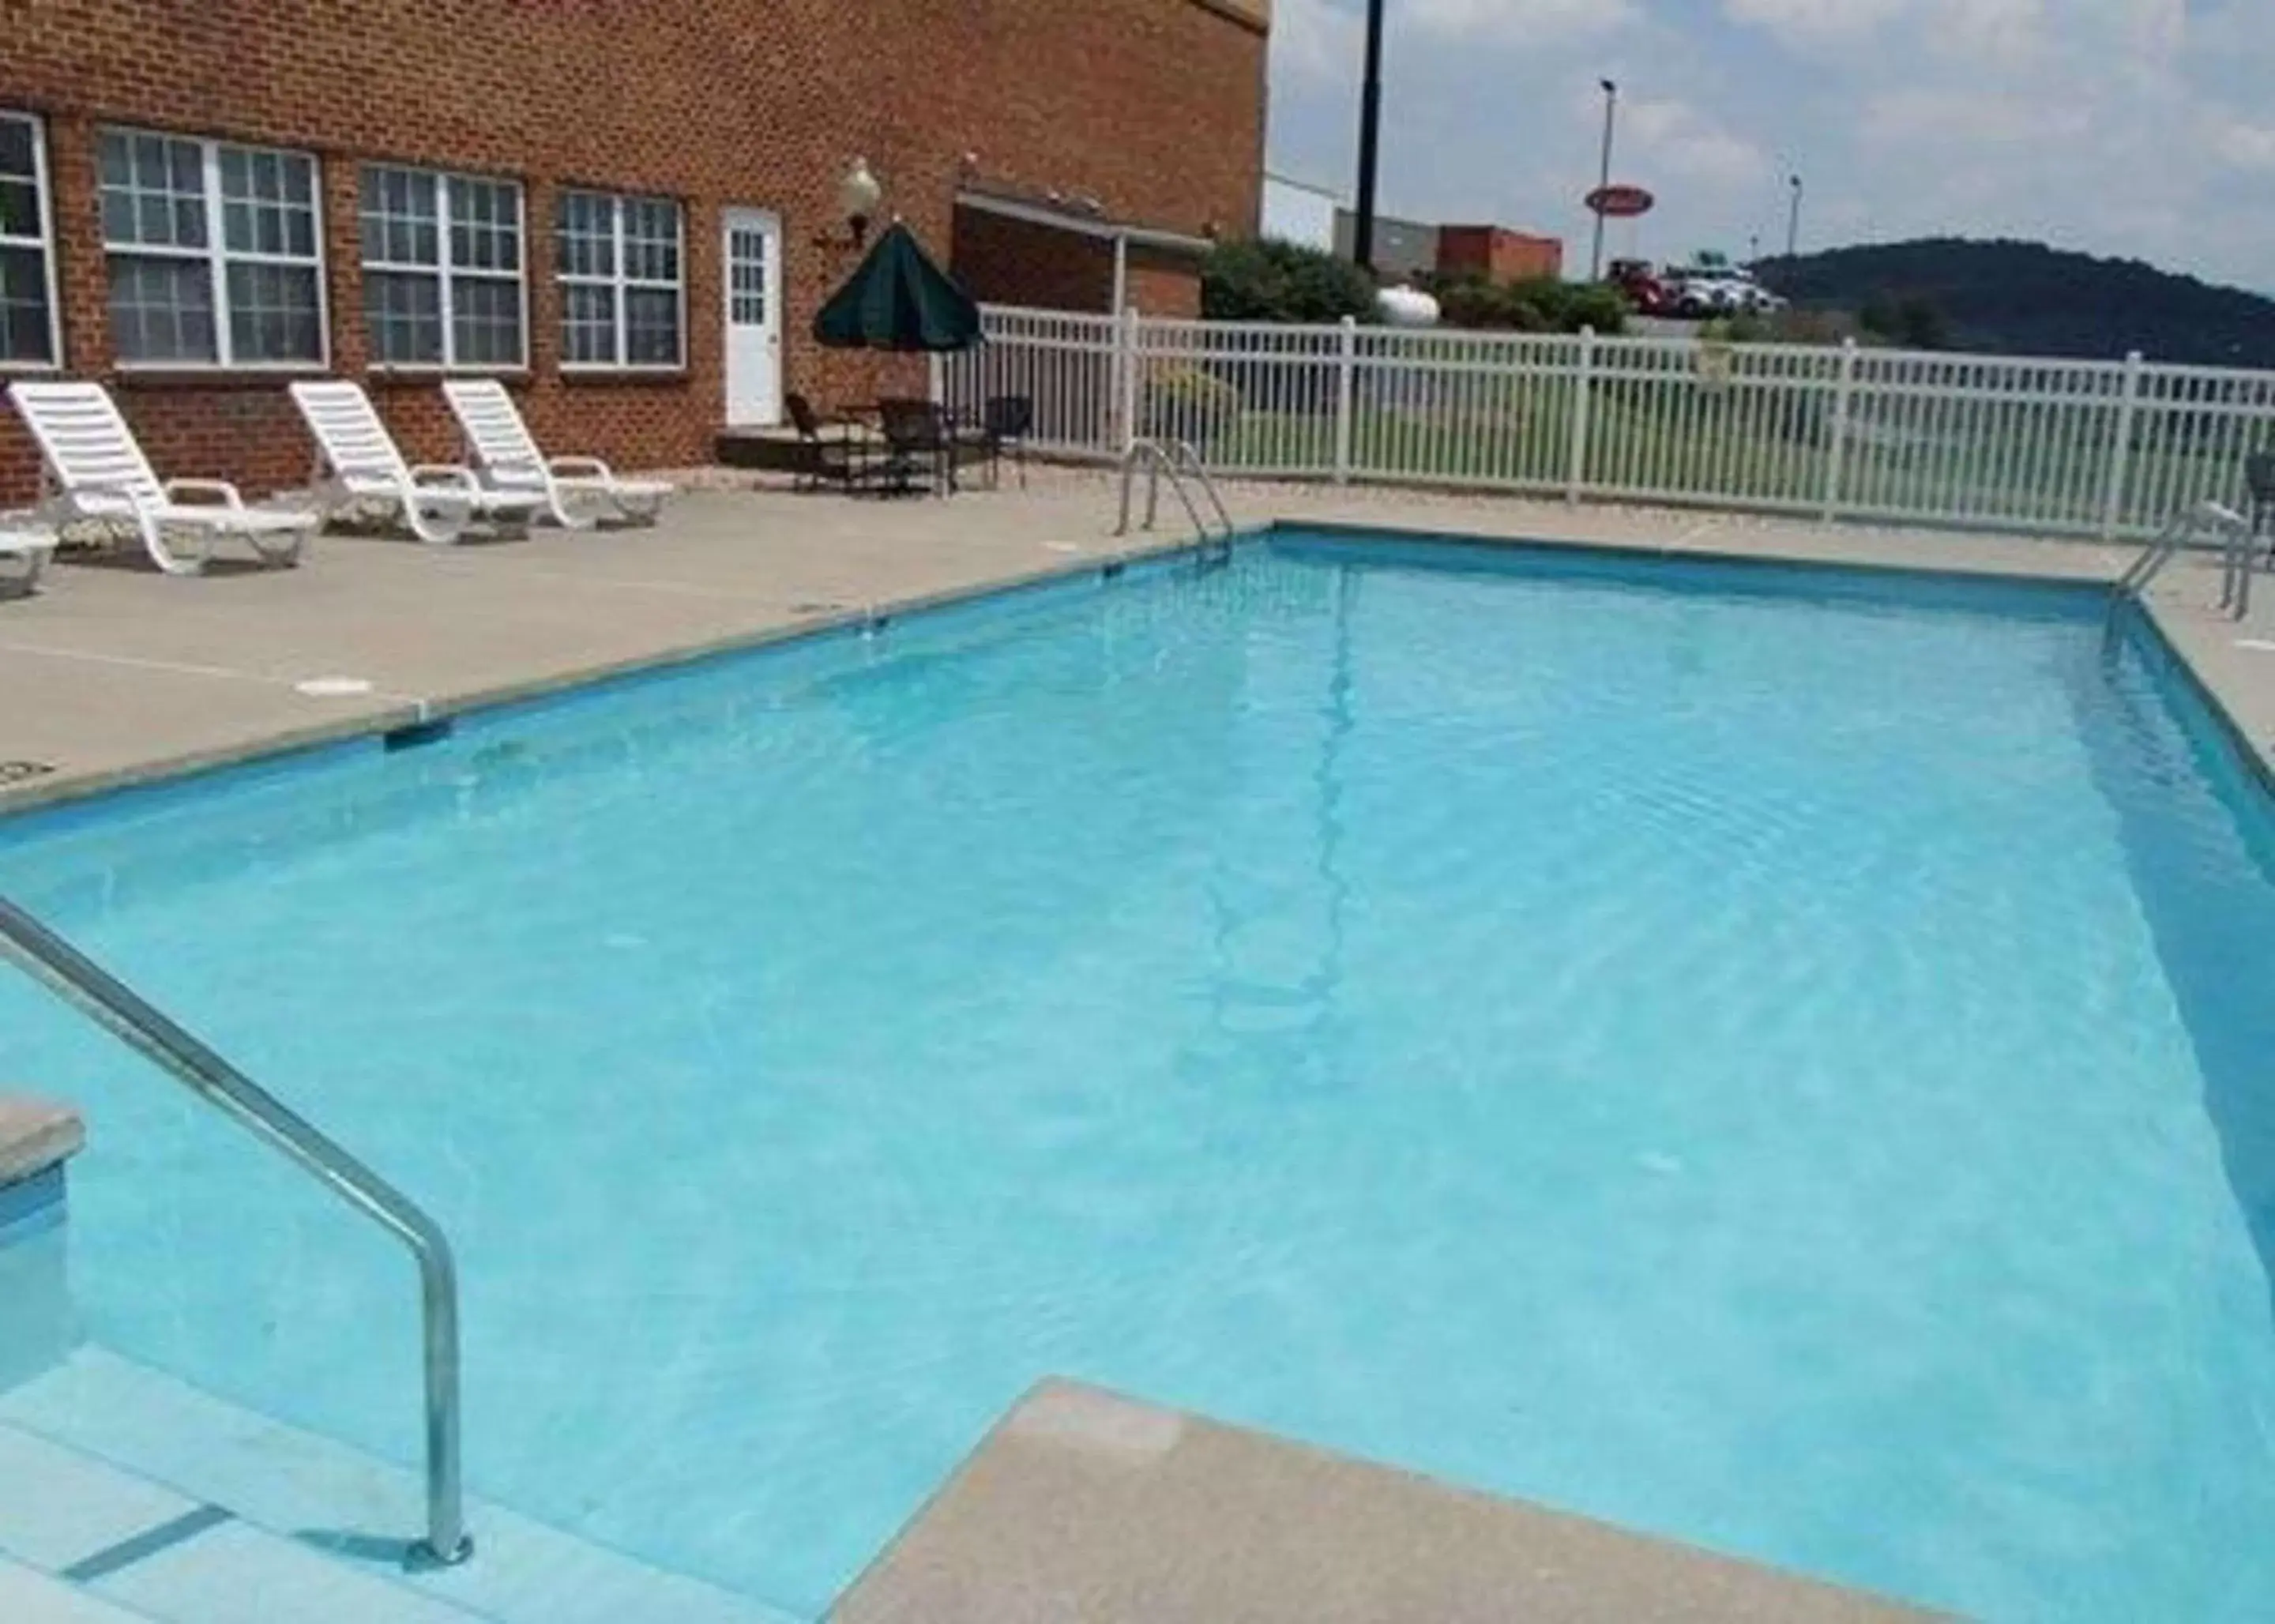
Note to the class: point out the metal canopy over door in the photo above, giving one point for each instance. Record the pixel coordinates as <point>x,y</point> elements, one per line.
<point>753,284</point>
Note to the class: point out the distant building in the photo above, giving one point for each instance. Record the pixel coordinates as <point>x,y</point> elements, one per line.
<point>1297,213</point>
<point>1497,254</point>
<point>1402,248</point>
<point>1405,249</point>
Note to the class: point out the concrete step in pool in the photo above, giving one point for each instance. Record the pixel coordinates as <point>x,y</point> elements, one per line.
<point>27,1594</point>
<point>148,1499</point>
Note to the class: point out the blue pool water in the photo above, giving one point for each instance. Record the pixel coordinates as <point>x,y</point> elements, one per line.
<point>1778,1058</point>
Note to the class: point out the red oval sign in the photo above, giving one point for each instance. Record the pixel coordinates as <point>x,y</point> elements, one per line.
<point>1620,202</point>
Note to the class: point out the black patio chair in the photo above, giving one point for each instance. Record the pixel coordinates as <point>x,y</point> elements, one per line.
<point>1004,424</point>
<point>824,457</point>
<point>917,446</point>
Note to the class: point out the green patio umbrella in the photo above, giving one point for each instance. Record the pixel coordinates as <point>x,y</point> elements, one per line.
<point>898,300</point>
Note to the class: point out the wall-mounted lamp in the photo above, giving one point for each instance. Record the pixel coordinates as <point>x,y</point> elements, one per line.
<point>857,197</point>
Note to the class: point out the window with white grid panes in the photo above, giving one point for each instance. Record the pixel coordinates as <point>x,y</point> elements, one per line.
<point>620,264</point>
<point>28,336</point>
<point>747,276</point>
<point>441,268</point>
<point>215,252</point>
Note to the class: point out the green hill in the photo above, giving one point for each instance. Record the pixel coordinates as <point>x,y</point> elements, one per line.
<point>2027,299</point>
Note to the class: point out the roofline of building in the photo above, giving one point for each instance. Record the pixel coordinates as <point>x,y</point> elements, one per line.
<point>1082,225</point>
<point>1313,188</point>
<point>1245,15</point>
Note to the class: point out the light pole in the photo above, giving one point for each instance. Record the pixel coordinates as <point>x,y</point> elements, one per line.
<point>1611,117</point>
<point>1793,222</point>
<point>1370,131</point>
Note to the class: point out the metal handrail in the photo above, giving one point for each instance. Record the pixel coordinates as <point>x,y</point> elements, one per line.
<point>2179,531</point>
<point>1177,458</point>
<point>116,1008</point>
<point>1185,454</point>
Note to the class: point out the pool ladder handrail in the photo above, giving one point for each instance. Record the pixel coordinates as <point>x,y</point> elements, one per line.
<point>119,1009</point>
<point>2181,529</point>
<point>1177,458</point>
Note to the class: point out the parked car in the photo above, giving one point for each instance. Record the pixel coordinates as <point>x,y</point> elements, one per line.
<point>1699,294</point>
<point>1701,291</point>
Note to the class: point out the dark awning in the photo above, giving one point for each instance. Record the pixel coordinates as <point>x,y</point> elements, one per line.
<point>898,300</point>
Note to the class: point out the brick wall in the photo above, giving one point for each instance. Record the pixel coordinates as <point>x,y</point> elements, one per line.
<point>1153,106</point>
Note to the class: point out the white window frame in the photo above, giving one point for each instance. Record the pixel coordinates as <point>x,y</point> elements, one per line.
<point>617,282</point>
<point>46,244</point>
<point>445,270</point>
<point>218,257</point>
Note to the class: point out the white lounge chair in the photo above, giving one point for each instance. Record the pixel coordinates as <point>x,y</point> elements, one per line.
<point>26,546</point>
<point>91,468</point>
<point>577,491</point>
<point>357,461</point>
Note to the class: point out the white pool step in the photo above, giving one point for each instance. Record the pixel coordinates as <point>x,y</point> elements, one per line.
<point>193,1510</point>
<point>86,1539</point>
<point>30,1596</point>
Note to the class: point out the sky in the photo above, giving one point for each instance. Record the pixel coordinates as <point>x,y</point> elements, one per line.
<point>2144,129</point>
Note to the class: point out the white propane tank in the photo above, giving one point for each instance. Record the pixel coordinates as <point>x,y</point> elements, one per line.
<point>1405,306</point>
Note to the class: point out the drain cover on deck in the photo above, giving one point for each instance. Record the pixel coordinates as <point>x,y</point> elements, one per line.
<point>18,772</point>
<point>332,687</point>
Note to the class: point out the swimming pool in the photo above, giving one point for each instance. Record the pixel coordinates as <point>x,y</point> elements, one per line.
<point>1772,1056</point>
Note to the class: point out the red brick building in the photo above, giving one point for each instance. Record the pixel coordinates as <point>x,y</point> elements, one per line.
<point>200,202</point>
<point>1497,254</point>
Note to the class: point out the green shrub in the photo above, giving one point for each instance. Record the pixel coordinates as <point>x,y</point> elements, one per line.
<point>1186,402</point>
<point>1541,305</point>
<point>1478,303</point>
<point>1265,280</point>
<point>1593,303</point>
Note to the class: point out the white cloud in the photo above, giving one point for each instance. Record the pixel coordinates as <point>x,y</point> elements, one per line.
<point>1815,22</point>
<point>1938,119</point>
<point>1674,138</point>
<point>1316,41</point>
<point>2240,144</point>
<point>1979,32</point>
<point>1519,21</point>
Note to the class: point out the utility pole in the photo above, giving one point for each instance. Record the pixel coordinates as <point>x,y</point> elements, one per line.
<point>1611,116</point>
<point>1793,222</point>
<point>1370,133</point>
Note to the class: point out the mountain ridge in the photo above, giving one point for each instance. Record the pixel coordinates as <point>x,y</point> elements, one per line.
<point>2009,296</point>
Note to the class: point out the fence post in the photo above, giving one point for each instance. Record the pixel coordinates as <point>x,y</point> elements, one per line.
<point>2121,452</point>
<point>1125,369</point>
<point>1836,452</point>
<point>1346,371</point>
<point>1575,477</point>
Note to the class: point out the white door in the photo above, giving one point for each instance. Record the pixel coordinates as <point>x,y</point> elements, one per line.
<point>753,279</point>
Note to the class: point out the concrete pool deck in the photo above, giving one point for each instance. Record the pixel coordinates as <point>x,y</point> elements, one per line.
<point>115,674</point>
<point>1082,1504</point>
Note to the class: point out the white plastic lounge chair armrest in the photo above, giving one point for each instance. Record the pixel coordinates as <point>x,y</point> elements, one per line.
<point>227,494</point>
<point>582,467</point>
<point>445,473</point>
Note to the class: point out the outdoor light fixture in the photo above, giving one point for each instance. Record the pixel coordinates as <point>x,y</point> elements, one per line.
<point>857,197</point>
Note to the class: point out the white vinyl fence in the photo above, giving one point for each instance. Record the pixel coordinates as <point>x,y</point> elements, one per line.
<point>2079,447</point>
